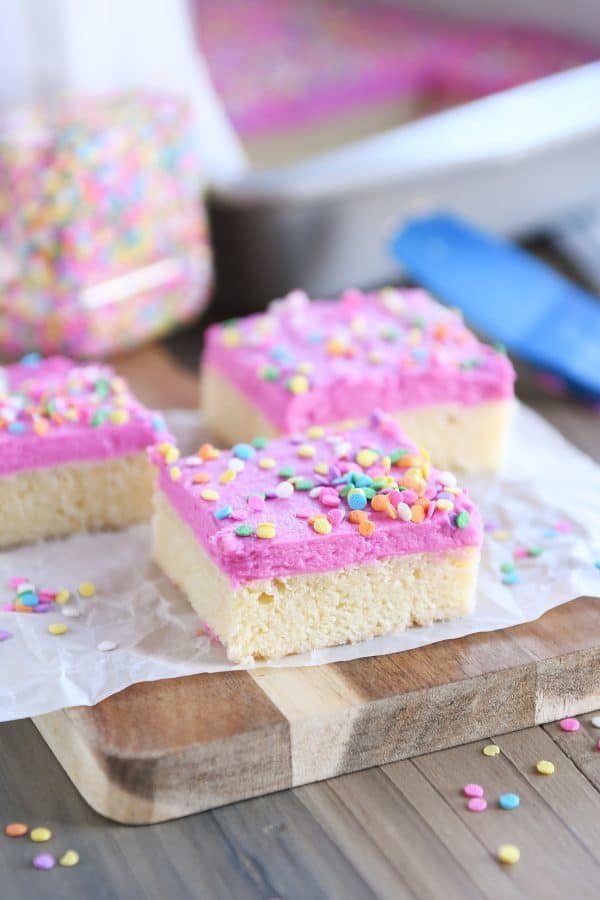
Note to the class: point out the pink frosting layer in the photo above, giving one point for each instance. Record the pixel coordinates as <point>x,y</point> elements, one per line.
<point>304,362</point>
<point>297,547</point>
<point>57,411</point>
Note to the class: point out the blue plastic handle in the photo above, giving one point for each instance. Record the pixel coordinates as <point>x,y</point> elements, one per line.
<point>508,295</point>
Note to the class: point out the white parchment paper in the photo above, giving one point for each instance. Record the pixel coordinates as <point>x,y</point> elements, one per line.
<point>546,482</point>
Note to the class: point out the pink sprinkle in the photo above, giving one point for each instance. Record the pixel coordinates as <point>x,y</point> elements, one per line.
<point>395,497</point>
<point>569,724</point>
<point>7,607</point>
<point>329,498</point>
<point>335,516</point>
<point>520,553</point>
<point>5,635</point>
<point>15,581</point>
<point>473,790</point>
<point>239,515</point>
<point>477,804</point>
<point>47,595</point>
<point>256,503</point>
<point>409,497</point>
<point>563,527</point>
<point>304,513</point>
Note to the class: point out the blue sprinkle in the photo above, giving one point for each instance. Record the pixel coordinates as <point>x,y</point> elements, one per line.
<point>223,513</point>
<point>363,480</point>
<point>357,500</point>
<point>550,533</point>
<point>29,599</point>
<point>597,563</point>
<point>511,578</point>
<point>31,359</point>
<point>16,427</point>
<point>244,451</point>
<point>158,423</point>
<point>343,479</point>
<point>509,801</point>
<point>282,355</point>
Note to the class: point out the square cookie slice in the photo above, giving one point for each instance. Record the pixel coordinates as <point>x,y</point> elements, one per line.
<point>73,454</point>
<point>306,363</point>
<point>316,539</point>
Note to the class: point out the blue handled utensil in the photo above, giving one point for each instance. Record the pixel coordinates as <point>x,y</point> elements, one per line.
<point>508,295</point>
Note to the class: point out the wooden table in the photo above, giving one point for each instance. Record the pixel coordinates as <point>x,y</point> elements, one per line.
<point>398,831</point>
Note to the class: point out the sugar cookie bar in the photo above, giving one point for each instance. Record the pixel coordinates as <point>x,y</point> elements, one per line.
<point>73,454</point>
<point>306,363</point>
<point>316,539</point>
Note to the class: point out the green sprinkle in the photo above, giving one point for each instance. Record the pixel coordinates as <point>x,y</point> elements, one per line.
<point>369,492</point>
<point>346,490</point>
<point>462,519</point>
<point>270,373</point>
<point>244,530</point>
<point>470,364</point>
<point>395,455</point>
<point>418,322</point>
<point>378,483</point>
<point>304,484</point>
<point>99,417</point>
<point>260,443</point>
<point>507,568</point>
<point>534,551</point>
<point>500,348</point>
<point>286,472</point>
<point>388,334</point>
<point>102,388</point>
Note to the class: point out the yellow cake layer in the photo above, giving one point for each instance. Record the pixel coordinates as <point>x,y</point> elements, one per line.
<point>472,438</point>
<point>270,618</point>
<point>71,497</point>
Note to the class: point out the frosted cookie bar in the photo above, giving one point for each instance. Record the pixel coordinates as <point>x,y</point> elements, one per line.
<point>309,362</point>
<point>315,539</point>
<point>73,455</point>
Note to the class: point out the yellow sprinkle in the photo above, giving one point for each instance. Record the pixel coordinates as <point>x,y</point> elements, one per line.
<point>498,535</point>
<point>267,462</point>
<point>306,368</point>
<point>231,337</point>
<point>544,767</point>
<point>209,494</point>
<point>119,417</point>
<point>321,525</point>
<point>40,835</point>
<point>491,750</point>
<point>456,491</point>
<point>172,455</point>
<point>386,463</point>
<point>375,357</point>
<point>315,432</point>
<point>445,505</point>
<point>265,530</point>
<point>509,854</point>
<point>306,451</point>
<point>175,473</point>
<point>298,384</point>
<point>69,858</point>
<point>57,628</point>
<point>335,347</point>
<point>366,458</point>
<point>87,589</point>
<point>321,468</point>
<point>63,596</point>
<point>227,476</point>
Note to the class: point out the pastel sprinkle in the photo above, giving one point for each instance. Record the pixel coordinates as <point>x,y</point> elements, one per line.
<point>256,502</point>
<point>209,494</point>
<point>265,530</point>
<point>477,804</point>
<point>107,646</point>
<point>40,835</point>
<point>69,858</point>
<point>366,458</point>
<point>509,801</point>
<point>223,512</point>
<point>284,490</point>
<point>511,578</point>
<point>509,854</point>
<point>500,535</point>
<point>71,612</point>
<point>321,525</point>
<point>175,473</point>
<point>87,589</point>
<point>462,519</point>
<point>315,432</point>
<point>357,499</point>
<point>491,750</point>
<point>236,465</point>
<point>44,861</point>
<point>267,462</point>
<point>63,596</point>
<point>260,442</point>
<point>507,568</point>
<point>569,725</point>
<point>57,628</point>
<point>16,829</point>
<point>5,635</point>
<point>595,720</point>
<point>298,384</point>
<point>244,451</point>
<point>244,530</point>
<point>227,476</point>
<point>473,790</point>
<point>544,767</point>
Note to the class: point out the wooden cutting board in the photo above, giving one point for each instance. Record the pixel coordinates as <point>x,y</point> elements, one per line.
<point>165,749</point>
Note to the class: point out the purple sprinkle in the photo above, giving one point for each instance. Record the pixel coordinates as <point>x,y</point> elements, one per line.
<point>44,861</point>
<point>42,607</point>
<point>5,635</point>
<point>444,495</point>
<point>377,416</point>
<point>490,526</point>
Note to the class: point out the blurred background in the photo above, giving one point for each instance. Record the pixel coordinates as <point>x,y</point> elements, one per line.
<point>166,163</point>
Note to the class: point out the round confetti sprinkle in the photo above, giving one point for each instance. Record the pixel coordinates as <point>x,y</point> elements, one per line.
<point>298,384</point>
<point>87,589</point>
<point>357,499</point>
<point>107,646</point>
<point>477,804</point>
<point>284,490</point>
<point>286,472</point>
<point>462,519</point>
<point>315,432</point>
<point>267,462</point>
<point>304,484</point>
<point>265,530</point>
<point>57,628</point>
<point>16,829</point>
<point>473,790</point>
<point>40,835</point>
<point>63,596</point>
<point>69,858</point>
<point>509,854</point>
<point>209,494</point>
<point>223,512</point>
<point>404,511</point>
<point>244,451</point>
<point>321,525</point>
<point>366,458</point>
<point>237,465</point>
<point>509,801</point>
<point>44,861</point>
<point>259,443</point>
<point>5,635</point>
<point>244,530</point>
<point>569,725</point>
<point>71,612</point>
<point>306,451</point>
<point>596,721</point>
<point>511,578</point>
<point>544,767</point>
<point>491,750</point>
<point>507,568</point>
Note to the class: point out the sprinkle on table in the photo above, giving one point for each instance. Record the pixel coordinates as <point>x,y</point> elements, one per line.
<point>40,834</point>
<point>569,724</point>
<point>44,861</point>
<point>544,767</point>
<point>509,854</point>
<point>57,628</point>
<point>16,829</point>
<point>509,801</point>
<point>5,635</point>
<point>491,750</point>
<point>86,589</point>
<point>473,790</point>
<point>69,859</point>
<point>477,804</point>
